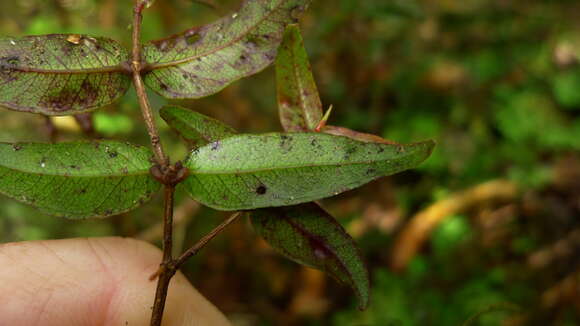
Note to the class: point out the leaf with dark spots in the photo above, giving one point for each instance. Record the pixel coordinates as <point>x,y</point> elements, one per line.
<point>299,104</point>
<point>203,60</point>
<point>77,180</point>
<point>56,75</point>
<point>196,128</point>
<point>290,168</point>
<point>310,236</point>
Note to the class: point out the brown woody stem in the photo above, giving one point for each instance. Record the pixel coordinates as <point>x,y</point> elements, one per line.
<point>166,269</point>
<point>137,67</point>
<point>165,173</point>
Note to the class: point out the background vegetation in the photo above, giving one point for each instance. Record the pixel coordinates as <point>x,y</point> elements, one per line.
<point>487,231</point>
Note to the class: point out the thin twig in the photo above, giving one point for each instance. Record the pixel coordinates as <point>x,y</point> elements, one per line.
<point>166,269</point>
<point>137,66</point>
<point>203,241</point>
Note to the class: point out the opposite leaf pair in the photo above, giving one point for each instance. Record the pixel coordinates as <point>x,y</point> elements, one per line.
<point>62,74</point>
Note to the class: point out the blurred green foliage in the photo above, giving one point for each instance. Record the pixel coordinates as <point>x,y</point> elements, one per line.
<point>495,82</point>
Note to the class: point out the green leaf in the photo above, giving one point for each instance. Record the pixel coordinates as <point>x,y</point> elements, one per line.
<point>299,104</point>
<point>203,60</point>
<point>61,74</point>
<point>308,235</point>
<point>196,128</point>
<point>77,180</point>
<point>253,171</point>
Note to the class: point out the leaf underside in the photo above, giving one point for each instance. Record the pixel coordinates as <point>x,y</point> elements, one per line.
<point>61,74</point>
<point>308,235</point>
<point>203,60</point>
<point>254,171</point>
<point>77,180</point>
<point>197,129</point>
<point>299,104</point>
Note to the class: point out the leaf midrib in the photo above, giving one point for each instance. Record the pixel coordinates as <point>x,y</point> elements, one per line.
<point>101,70</point>
<point>293,167</point>
<point>115,175</point>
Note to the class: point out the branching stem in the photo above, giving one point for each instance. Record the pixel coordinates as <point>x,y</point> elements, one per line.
<point>203,241</point>
<point>166,174</point>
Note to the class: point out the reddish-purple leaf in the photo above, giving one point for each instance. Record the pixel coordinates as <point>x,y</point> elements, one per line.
<point>308,235</point>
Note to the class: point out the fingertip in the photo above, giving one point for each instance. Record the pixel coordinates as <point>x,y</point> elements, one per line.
<point>83,281</point>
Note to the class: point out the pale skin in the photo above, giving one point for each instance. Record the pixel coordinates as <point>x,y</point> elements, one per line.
<point>96,281</point>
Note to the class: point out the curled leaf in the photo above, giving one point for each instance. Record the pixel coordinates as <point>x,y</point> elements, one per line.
<point>253,171</point>
<point>77,180</point>
<point>203,60</point>
<point>353,134</point>
<point>310,236</point>
<point>61,74</point>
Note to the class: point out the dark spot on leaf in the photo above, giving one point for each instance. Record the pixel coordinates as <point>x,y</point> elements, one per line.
<point>16,147</point>
<point>9,62</point>
<point>113,154</point>
<point>192,38</point>
<point>163,86</point>
<point>314,143</point>
<point>261,190</point>
<point>371,171</point>
<point>83,191</point>
<point>108,212</point>
<point>286,143</point>
<point>269,56</point>
<point>349,152</point>
<point>215,145</point>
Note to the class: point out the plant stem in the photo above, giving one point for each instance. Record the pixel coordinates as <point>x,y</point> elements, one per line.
<point>168,175</point>
<point>167,268</point>
<point>170,266</point>
<point>137,67</point>
<point>203,241</point>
